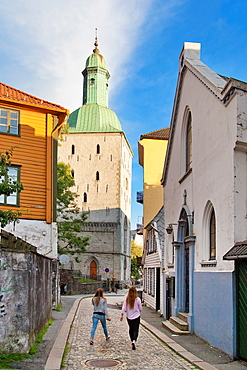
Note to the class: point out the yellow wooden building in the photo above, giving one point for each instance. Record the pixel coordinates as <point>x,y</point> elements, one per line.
<point>31,126</point>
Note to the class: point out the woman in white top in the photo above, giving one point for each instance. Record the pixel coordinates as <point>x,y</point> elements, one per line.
<point>132,306</point>
<point>100,313</point>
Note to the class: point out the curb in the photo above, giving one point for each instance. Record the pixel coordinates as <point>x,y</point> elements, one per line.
<point>54,359</point>
<point>177,348</point>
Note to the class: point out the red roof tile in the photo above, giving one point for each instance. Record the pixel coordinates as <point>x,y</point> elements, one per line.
<point>10,93</point>
<point>162,134</point>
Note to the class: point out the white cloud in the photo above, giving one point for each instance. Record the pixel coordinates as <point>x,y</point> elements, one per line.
<point>50,41</point>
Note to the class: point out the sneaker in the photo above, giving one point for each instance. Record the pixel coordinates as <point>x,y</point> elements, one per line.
<point>107,338</point>
<point>91,342</point>
<point>133,345</point>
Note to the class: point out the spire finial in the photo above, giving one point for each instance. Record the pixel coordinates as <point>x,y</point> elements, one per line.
<point>96,50</point>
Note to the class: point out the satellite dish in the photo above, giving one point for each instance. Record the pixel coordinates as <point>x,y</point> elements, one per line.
<point>63,259</point>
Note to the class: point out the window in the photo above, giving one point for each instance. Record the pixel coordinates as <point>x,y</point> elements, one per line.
<point>92,80</point>
<point>98,149</point>
<point>73,149</point>
<point>12,199</point>
<point>97,175</point>
<point>85,197</point>
<point>151,244</point>
<point>73,173</point>
<point>212,237</point>
<point>9,121</point>
<point>188,148</point>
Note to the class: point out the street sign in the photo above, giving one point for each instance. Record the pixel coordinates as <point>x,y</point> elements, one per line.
<point>106,270</point>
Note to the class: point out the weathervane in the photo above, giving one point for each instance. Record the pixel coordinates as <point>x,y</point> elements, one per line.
<point>96,50</point>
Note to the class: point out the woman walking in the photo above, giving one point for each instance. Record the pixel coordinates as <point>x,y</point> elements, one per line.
<point>132,306</point>
<point>100,313</point>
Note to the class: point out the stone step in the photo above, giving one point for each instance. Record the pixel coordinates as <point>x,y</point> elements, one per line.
<point>180,324</point>
<point>174,329</point>
<point>183,316</point>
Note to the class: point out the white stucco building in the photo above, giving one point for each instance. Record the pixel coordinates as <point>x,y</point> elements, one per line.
<point>205,202</point>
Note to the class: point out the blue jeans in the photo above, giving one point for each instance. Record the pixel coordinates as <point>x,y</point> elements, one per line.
<point>96,318</point>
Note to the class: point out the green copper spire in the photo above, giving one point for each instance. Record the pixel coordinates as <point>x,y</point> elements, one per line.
<point>94,115</point>
<point>95,86</point>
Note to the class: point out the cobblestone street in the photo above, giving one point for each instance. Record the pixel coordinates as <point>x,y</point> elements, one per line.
<point>150,352</point>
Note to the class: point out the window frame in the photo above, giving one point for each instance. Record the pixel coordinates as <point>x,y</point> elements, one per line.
<point>9,110</point>
<point>212,236</point>
<point>188,143</point>
<point>17,194</point>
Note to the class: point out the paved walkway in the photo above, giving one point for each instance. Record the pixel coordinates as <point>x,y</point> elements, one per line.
<point>150,352</point>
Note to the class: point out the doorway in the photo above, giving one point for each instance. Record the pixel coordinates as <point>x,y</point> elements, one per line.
<point>93,270</point>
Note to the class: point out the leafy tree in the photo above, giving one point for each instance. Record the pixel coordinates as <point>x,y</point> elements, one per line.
<point>8,186</point>
<point>136,253</point>
<point>70,219</point>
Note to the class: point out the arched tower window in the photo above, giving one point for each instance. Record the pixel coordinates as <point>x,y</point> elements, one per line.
<point>212,236</point>
<point>188,148</point>
<point>73,149</point>
<point>85,197</point>
<point>97,175</point>
<point>98,149</point>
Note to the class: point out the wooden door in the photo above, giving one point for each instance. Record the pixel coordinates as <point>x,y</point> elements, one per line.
<point>93,270</point>
<point>241,271</point>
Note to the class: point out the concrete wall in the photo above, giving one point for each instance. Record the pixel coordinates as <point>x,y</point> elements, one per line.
<point>214,310</point>
<point>25,294</point>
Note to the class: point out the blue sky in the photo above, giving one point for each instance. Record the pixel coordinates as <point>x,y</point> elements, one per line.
<point>44,46</point>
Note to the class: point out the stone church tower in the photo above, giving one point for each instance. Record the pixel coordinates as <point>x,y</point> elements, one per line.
<point>101,160</point>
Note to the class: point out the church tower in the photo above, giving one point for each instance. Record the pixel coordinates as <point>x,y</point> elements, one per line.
<point>101,159</point>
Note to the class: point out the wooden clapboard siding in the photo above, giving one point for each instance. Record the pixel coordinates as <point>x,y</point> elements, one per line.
<point>31,155</point>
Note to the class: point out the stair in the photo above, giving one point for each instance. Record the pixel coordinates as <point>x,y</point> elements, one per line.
<point>178,325</point>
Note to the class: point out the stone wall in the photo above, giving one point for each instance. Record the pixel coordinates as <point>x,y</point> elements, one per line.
<point>25,293</point>
<point>74,284</point>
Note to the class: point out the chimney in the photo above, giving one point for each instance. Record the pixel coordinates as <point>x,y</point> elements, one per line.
<point>191,50</point>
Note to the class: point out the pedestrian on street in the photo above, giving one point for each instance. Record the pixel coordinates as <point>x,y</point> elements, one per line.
<point>100,313</point>
<point>132,306</point>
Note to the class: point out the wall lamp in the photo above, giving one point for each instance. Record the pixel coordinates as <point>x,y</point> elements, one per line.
<point>169,228</point>
<point>182,222</point>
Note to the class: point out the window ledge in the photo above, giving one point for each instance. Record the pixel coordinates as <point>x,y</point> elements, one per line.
<point>185,175</point>
<point>212,263</point>
<point>170,265</point>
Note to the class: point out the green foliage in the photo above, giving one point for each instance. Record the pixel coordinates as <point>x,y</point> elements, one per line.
<point>69,220</point>
<point>7,358</point>
<point>7,187</point>
<point>135,268</point>
<point>59,307</point>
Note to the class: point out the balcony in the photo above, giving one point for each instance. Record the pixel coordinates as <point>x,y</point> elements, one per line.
<point>139,197</point>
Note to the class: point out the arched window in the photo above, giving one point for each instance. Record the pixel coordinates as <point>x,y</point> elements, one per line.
<point>97,175</point>
<point>73,173</point>
<point>73,149</point>
<point>92,80</point>
<point>98,149</point>
<point>188,148</point>
<point>85,197</point>
<point>212,236</point>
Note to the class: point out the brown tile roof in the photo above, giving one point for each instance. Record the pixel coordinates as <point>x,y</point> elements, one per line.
<point>239,250</point>
<point>12,94</point>
<point>162,134</point>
